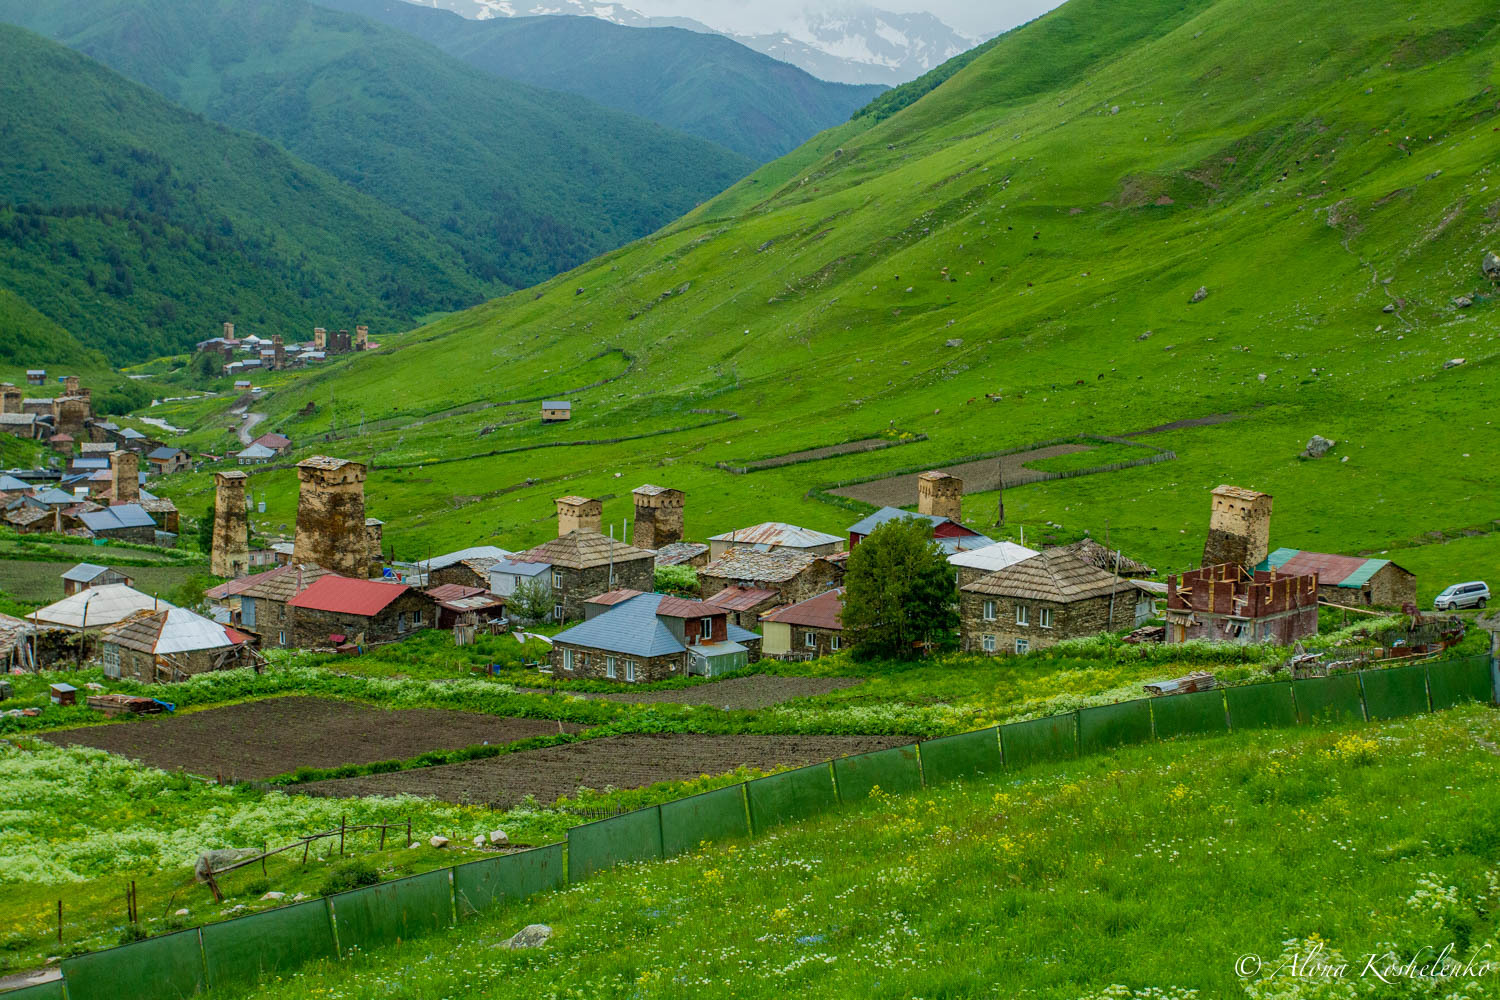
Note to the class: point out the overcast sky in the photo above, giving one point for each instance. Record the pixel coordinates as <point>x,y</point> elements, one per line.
<point>971,17</point>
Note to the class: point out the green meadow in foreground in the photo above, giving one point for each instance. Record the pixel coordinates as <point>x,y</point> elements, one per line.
<point>1154,872</point>
<point>1013,258</point>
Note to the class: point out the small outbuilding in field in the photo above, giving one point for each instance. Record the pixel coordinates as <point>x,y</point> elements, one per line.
<point>556,411</point>
<point>86,575</point>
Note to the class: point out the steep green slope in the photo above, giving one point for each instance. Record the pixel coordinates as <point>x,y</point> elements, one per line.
<point>521,182</point>
<point>706,85</point>
<point>139,226</point>
<point>30,340</point>
<point>1013,259</point>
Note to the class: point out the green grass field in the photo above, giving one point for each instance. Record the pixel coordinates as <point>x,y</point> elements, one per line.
<point>1054,206</point>
<point>1145,873</point>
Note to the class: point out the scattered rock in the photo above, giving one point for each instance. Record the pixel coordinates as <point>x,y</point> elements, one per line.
<point>181,913</point>
<point>530,936</point>
<point>1344,459</point>
<point>300,897</point>
<point>414,846</point>
<point>1145,336</point>
<point>274,895</point>
<point>955,342</point>
<point>579,292</point>
<point>1115,110</point>
<point>1389,307</point>
<point>1199,295</point>
<point>221,858</point>
<point>1453,363</point>
<point>438,841</point>
<point>1492,266</point>
<point>1463,301</point>
<point>1261,377</point>
<point>1317,447</point>
<point>499,837</point>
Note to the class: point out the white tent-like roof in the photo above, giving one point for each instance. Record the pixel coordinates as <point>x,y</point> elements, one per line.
<point>105,605</point>
<point>992,558</point>
<point>185,632</point>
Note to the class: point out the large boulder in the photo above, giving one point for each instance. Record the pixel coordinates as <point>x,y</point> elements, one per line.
<point>1492,267</point>
<point>530,936</point>
<point>1199,295</point>
<point>1317,447</point>
<point>220,859</point>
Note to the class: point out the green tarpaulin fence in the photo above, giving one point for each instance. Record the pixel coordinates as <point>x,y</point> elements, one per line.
<point>961,757</point>
<point>1395,691</point>
<point>1111,726</point>
<point>164,967</point>
<point>392,911</point>
<point>1189,714</point>
<point>635,836</point>
<point>247,950</point>
<point>1261,706</point>
<point>481,885</point>
<point>1455,681</point>
<point>41,991</point>
<point>1328,699</point>
<point>716,815</point>
<point>790,796</point>
<point>896,770</point>
<point>1052,738</point>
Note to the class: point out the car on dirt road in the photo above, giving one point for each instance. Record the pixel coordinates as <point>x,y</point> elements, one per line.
<point>1463,595</point>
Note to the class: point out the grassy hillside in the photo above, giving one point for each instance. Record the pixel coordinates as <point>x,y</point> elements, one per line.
<point>139,226</point>
<point>1143,873</point>
<point>519,182</point>
<point>706,85</point>
<point>1013,259</point>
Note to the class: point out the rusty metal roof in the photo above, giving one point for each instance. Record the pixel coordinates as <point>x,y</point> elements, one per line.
<point>779,534</point>
<point>681,607</point>
<point>1331,570</point>
<point>741,598</point>
<point>823,611</point>
<point>610,598</point>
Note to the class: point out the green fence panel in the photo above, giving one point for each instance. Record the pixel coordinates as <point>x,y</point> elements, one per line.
<point>1261,706</point>
<point>480,885</point>
<point>716,815</point>
<point>52,990</point>
<point>250,948</point>
<point>957,758</point>
<point>1395,691</point>
<point>791,795</point>
<point>635,836</point>
<point>1328,699</point>
<point>896,770</point>
<point>1114,725</point>
<point>1190,714</point>
<point>392,911</point>
<point>161,968</point>
<point>1054,737</point>
<point>1455,681</point>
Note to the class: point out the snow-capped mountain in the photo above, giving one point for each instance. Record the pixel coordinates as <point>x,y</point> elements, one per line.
<point>848,45</point>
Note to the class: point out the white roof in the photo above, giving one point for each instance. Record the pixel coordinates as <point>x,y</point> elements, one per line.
<point>477,552</point>
<point>185,632</point>
<point>106,605</point>
<point>992,558</point>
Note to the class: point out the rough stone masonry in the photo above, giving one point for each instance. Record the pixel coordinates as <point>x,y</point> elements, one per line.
<point>331,516</point>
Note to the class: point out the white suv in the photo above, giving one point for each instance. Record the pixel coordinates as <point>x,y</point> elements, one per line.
<point>1463,595</point>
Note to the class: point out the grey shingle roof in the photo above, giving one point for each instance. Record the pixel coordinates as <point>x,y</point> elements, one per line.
<point>84,572</point>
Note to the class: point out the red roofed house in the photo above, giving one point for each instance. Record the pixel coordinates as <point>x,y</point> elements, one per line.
<point>803,631</point>
<point>745,605</point>
<point>340,609</point>
<point>278,443</point>
<point>456,603</point>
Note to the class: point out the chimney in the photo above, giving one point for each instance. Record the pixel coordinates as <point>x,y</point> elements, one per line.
<point>579,514</point>
<point>125,469</point>
<point>940,495</point>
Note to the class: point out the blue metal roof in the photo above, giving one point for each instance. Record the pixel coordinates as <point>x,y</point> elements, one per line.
<point>84,573</point>
<point>518,568</point>
<point>12,483</point>
<point>130,515</point>
<point>630,627</point>
<point>887,514</point>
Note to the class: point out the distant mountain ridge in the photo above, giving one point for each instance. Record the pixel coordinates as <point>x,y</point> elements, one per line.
<point>703,84</point>
<point>859,45</point>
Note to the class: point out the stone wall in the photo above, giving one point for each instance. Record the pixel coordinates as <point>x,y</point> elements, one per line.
<point>593,664</point>
<point>409,613</point>
<point>125,471</point>
<point>578,585</point>
<point>230,555</point>
<point>822,641</point>
<point>331,517</point>
<point>459,573</point>
<point>1074,620</point>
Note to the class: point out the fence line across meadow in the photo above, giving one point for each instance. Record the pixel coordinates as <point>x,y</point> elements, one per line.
<point>276,942</point>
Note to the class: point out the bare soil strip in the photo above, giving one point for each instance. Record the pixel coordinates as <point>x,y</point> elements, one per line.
<point>734,694</point>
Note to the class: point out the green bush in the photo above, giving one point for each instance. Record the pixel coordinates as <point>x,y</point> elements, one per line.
<point>353,874</point>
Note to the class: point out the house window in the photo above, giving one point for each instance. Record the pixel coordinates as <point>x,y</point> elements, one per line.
<point>836,643</point>
<point>1022,645</point>
<point>989,611</point>
<point>1022,615</point>
<point>283,637</point>
<point>1044,617</point>
<point>706,627</point>
<point>988,643</point>
<point>630,670</point>
<point>416,619</point>
<point>400,621</point>
<point>609,667</point>
<point>557,612</point>
<point>809,640</point>
<point>557,579</point>
<point>112,661</point>
<point>567,659</point>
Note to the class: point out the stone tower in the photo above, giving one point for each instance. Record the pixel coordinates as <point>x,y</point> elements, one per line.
<point>579,514</point>
<point>71,385</point>
<point>658,516</point>
<point>361,337</point>
<point>228,331</point>
<point>375,544</point>
<point>278,349</point>
<point>11,398</point>
<point>320,339</point>
<point>331,516</point>
<point>230,556</point>
<point>941,495</point>
<point>1239,529</point>
<point>69,415</point>
<point>125,470</point>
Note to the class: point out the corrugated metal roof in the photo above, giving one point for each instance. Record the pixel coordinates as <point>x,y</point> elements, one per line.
<point>741,598</point>
<point>557,404</point>
<point>682,607</point>
<point>778,533</point>
<point>513,568</point>
<point>631,627</point>
<point>105,605</point>
<point>822,611</point>
<point>126,515</point>
<point>464,555</point>
<point>85,572</point>
<point>610,598</point>
<point>993,557</point>
<point>1331,570</point>
<point>345,595</point>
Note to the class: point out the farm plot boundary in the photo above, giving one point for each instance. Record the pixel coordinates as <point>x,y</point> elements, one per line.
<point>411,906</point>
<point>819,454</point>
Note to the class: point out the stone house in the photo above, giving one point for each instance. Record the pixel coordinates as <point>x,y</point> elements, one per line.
<point>794,576</point>
<point>466,567</point>
<point>694,554</point>
<point>1227,603</point>
<point>653,637</point>
<point>745,605</point>
<point>456,603</point>
<point>585,564</point>
<point>171,645</point>
<point>771,536</point>
<point>806,630</point>
<point>166,460</point>
<point>339,609</point>
<point>1349,580</point>
<point>279,444</point>
<point>1040,601</point>
<point>259,604</point>
<point>126,522</point>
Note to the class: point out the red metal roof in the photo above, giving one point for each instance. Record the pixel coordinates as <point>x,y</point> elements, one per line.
<point>454,592</point>
<point>816,612</point>
<point>348,596</point>
<point>1329,569</point>
<point>740,598</point>
<point>610,598</point>
<point>681,607</point>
